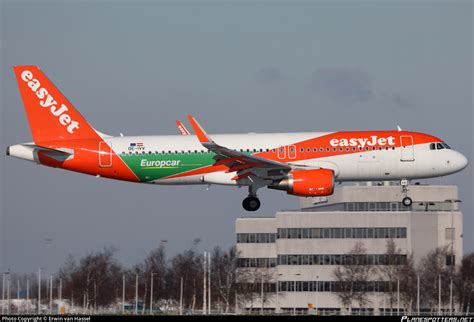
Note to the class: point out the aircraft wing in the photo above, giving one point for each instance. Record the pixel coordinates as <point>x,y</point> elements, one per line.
<point>246,165</point>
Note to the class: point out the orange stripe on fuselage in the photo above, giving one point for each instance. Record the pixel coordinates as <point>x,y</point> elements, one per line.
<point>322,142</point>
<point>86,159</point>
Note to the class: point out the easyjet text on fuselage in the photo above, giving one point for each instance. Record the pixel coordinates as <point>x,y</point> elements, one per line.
<point>363,142</point>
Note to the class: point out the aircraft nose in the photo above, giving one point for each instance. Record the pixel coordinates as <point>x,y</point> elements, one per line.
<point>459,162</point>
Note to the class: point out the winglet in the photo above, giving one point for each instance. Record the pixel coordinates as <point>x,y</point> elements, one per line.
<point>182,129</point>
<point>201,134</point>
<point>399,128</point>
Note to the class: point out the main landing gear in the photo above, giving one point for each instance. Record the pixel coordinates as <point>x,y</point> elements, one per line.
<point>252,203</point>
<point>407,200</point>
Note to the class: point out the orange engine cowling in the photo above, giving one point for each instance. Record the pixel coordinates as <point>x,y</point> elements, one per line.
<point>307,183</point>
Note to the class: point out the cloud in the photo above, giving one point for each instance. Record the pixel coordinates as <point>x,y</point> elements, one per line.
<point>343,84</point>
<point>396,100</point>
<point>269,75</point>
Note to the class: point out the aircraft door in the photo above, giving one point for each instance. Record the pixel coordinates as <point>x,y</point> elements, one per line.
<point>105,155</point>
<point>292,152</point>
<point>407,149</point>
<point>281,152</point>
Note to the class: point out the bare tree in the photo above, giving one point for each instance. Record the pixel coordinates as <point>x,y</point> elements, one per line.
<point>464,283</point>
<point>96,278</point>
<point>250,282</point>
<point>432,268</point>
<point>223,275</point>
<point>398,270</point>
<point>352,275</point>
<point>187,265</point>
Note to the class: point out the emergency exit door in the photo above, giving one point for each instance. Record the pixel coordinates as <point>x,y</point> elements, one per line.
<point>407,149</point>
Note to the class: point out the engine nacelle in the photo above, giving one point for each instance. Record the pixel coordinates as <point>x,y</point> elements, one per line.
<point>307,183</point>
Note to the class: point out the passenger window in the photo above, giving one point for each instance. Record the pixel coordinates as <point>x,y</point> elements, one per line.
<point>432,146</point>
<point>439,146</point>
<point>321,149</point>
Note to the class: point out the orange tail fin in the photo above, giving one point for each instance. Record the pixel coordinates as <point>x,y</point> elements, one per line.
<point>50,114</point>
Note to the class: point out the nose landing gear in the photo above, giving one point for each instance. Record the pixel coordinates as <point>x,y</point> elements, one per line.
<point>407,200</point>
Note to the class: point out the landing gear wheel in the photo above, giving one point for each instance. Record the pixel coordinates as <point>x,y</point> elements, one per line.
<point>407,201</point>
<point>251,203</point>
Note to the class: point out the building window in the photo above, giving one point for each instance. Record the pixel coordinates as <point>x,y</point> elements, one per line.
<point>342,259</point>
<point>450,233</point>
<point>261,238</point>
<point>326,232</point>
<point>450,260</point>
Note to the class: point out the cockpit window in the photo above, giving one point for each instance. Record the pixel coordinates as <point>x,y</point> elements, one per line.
<point>446,145</point>
<point>439,146</point>
<point>433,146</point>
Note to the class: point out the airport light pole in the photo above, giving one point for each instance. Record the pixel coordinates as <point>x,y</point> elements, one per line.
<point>294,294</point>
<point>418,294</point>
<point>398,296</point>
<point>261,294</point>
<point>181,298</point>
<point>452,201</point>
<point>136,294</point>
<point>204,297</point>
<point>123,294</point>
<point>95,296</point>
<point>451,298</point>
<point>317,289</point>
<point>51,294</point>
<point>209,283</point>
<point>60,294</point>
<point>151,293</point>
<point>18,294</point>
<point>8,294</point>
<point>27,296</point>
<point>39,289</point>
<point>277,306</point>
<point>439,294</point>
<point>3,292</point>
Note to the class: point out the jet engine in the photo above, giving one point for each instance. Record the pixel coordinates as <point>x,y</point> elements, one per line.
<point>307,183</point>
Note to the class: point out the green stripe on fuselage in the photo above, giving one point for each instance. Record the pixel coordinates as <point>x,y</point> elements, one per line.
<point>149,167</point>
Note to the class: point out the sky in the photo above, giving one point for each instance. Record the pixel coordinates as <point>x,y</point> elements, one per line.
<point>133,67</point>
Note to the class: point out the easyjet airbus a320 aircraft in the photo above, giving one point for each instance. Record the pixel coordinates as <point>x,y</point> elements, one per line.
<point>302,164</point>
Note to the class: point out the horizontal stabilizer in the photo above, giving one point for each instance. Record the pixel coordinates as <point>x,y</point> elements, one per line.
<point>31,152</point>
